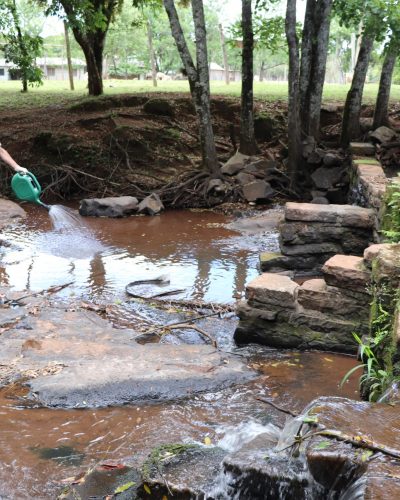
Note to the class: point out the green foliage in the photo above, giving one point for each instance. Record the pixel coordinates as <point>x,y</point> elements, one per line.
<point>391,218</point>
<point>21,47</point>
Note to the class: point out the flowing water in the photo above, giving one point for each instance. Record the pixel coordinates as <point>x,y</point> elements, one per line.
<point>41,447</point>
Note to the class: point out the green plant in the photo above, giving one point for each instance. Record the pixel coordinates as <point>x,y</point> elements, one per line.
<point>391,219</point>
<point>375,377</point>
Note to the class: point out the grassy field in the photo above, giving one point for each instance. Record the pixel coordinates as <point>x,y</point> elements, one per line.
<point>58,92</point>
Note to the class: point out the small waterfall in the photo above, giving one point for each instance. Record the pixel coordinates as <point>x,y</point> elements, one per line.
<point>64,218</point>
<point>236,437</point>
<point>356,490</point>
<point>391,395</point>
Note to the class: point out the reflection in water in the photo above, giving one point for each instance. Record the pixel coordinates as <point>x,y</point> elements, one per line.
<point>102,255</point>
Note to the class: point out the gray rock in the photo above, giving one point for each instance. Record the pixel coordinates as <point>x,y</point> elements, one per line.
<point>217,185</point>
<point>320,200</point>
<point>332,160</point>
<point>327,178</point>
<point>383,134</point>
<point>151,205</point>
<point>235,164</point>
<point>348,272</point>
<point>10,212</point>
<point>307,264</point>
<point>121,206</point>
<point>258,190</point>
<point>273,289</point>
<point>244,178</point>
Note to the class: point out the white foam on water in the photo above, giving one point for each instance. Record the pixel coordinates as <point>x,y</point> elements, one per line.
<point>235,437</point>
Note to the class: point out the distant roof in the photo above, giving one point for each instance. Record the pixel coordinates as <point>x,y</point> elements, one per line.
<point>46,61</point>
<point>214,65</point>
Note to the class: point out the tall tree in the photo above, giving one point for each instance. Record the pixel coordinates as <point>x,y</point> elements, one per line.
<point>294,125</point>
<point>314,52</point>
<point>352,108</point>
<point>247,140</point>
<point>198,76</point>
<point>89,21</point>
<point>385,82</point>
<point>21,47</point>
<point>151,52</point>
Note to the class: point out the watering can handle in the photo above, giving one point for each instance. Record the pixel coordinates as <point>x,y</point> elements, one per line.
<point>34,180</point>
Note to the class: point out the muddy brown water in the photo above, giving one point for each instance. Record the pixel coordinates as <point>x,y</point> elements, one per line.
<point>39,448</point>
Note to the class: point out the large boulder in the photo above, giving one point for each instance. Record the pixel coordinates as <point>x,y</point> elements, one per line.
<point>151,205</point>
<point>121,206</point>
<point>258,190</point>
<point>10,212</point>
<point>327,177</point>
<point>383,134</point>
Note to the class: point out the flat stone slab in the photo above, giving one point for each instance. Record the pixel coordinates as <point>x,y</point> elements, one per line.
<point>70,357</point>
<point>346,215</point>
<point>134,373</point>
<point>372,252</point>
<point>274,289</point>
<point>362,148</point>
<point>347,271</point>
<point>10,213</point>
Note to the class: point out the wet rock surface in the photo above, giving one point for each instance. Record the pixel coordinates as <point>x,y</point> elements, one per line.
<point>73,358</point>
<point>109,207</point>
<point>10,213</point>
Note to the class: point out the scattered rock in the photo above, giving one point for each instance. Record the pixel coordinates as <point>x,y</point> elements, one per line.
<point>121,206</point>
<point>320,200</point>
<point>366,124</point>
<point>244,178</point>
<point>151,205</point>
<point>235,164</point>
<point>257,191</point>
<point>158,106</point>
<point>327,178</point>
<point>217,185</point>
<point>383,134</point>
<point>332,160</point>
<point>371,252</point>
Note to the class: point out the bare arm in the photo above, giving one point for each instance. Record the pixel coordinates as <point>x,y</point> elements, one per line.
<point>6,157</point>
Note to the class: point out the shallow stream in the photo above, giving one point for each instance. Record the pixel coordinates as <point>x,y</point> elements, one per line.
<point>39,448</point>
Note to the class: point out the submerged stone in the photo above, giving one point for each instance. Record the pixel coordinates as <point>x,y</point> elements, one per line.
<point>121,206</point>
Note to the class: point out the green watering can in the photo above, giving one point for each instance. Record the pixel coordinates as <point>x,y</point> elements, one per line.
<point>27,188</point>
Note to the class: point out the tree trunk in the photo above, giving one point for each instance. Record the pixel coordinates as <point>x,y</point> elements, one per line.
<point>198,77</point>
<point>248,144</point>
<point>224,54</point>
<point>151,52</point>
<point>320,54</point>
<point>385,82</point>
<point>262,71</point>
<point>352,108</point>
<point>306,61</point>
<point>202,100</point>
<point>294,127</point>
<point>68,49</point>
<point>314,53</point>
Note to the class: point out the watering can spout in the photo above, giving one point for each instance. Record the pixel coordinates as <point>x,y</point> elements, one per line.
<point>27,188</point>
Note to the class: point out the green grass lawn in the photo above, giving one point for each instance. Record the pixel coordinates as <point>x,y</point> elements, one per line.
<point>58,92</point>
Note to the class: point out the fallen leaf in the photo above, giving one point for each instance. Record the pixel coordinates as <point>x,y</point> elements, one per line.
<point>124,487</point>
<point>147,489</point>
<point>322,445</point>
<point>329,360</point>
<point>207,441</point>
<point>112,466</point>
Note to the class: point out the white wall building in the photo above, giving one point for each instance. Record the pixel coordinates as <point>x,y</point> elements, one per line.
<point>54,68</point>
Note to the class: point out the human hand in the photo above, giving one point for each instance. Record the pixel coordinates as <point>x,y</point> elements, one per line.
<point>21,170</point>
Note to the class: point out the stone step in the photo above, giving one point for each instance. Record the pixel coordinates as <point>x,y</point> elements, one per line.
<point>347,272</point>
<point>272,289</point>
<point>362,149</point>
<point>316,295</point>
<point>344,215</point>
